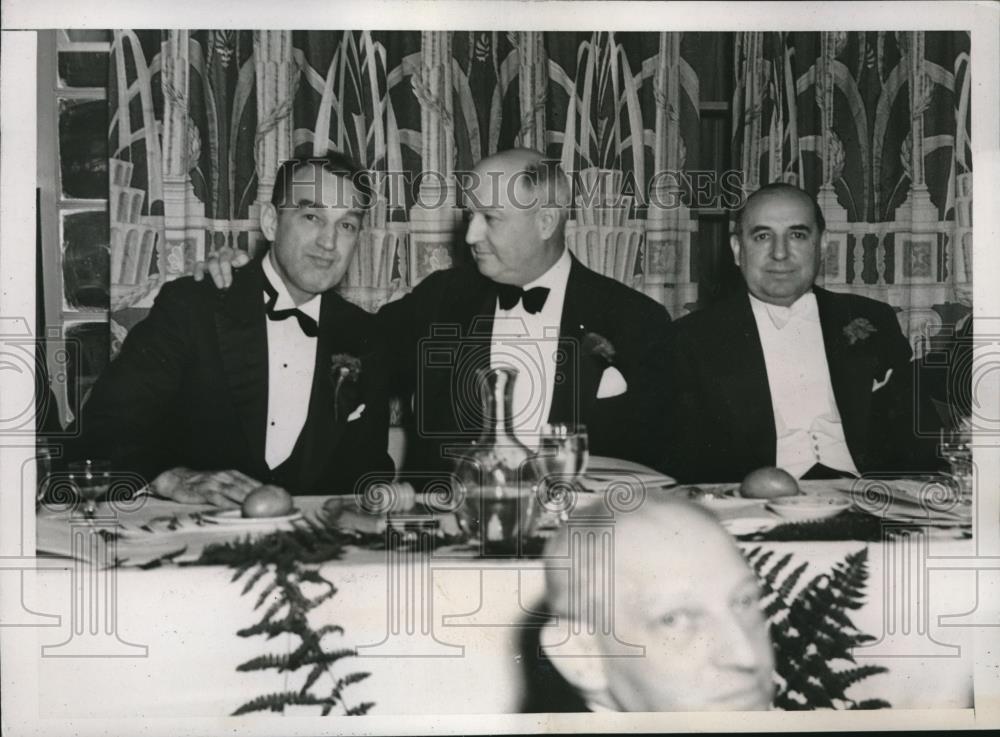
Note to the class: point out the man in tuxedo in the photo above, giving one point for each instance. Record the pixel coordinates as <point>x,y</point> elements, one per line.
<point>788,374</point>
<point>588,349</point>
<point>685,634</point>
<point>277,380</point>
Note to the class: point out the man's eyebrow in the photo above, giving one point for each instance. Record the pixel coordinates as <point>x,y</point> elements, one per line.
<point>679,608</point>
<point>313,204</point>
<point>797,226</point>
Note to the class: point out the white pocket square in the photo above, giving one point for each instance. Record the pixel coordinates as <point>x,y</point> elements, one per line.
<point>356,413</point>
<point>612,383</point>
<point>876,384</point>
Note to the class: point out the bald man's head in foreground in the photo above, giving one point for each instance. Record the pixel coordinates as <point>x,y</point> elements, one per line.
<point>681,590</point>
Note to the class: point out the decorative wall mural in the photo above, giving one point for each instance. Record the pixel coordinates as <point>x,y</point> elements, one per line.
<point>876,124</point>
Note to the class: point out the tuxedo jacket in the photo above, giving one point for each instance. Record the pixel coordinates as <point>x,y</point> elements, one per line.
<point>441,333</point>
<point>190,388</point>
<point>723,422</point>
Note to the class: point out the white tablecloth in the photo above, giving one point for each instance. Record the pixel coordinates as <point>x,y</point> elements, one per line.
<point>163,642</point>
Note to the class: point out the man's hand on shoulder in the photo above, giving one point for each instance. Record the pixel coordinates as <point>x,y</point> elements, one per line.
<point>220,266</point>
<point>225,489</point>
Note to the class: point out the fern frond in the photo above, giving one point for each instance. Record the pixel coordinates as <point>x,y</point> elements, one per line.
<point>265,592</point>
<point>776,569</point>
<point>791,580</point>
<point>847,678</point>
<point>361,709</point>
<point>252,581</point>
<point>342,683</point>
<point>871,704</point>
<point>262,662</point>
<point>276,702</point>
<point>812,632</point>
<point>751,554</point>
<point>318,670</point>
<point>762,561</point>
<point>327,629</point>
<point>271,628</point>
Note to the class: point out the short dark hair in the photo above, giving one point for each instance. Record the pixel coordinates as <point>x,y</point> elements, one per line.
<point>334,162</point>
<point>777,187</point>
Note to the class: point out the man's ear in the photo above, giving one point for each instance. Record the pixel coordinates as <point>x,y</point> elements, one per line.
<point>734,243</point>
<point>268,221</point>
<point>547,221</point>
<point>824,244</point>
<point>578,658</point>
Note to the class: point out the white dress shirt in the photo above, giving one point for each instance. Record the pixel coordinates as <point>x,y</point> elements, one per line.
<point>529,343</point>
<point>806,419</point>
<point>291,361</point>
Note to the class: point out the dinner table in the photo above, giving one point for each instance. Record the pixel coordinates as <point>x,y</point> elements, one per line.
<point>381,605</point>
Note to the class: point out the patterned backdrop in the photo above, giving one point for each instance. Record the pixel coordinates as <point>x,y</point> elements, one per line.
<point>876,124</point>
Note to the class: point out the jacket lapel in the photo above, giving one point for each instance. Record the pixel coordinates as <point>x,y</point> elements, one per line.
<point>583,373</point>
<point>744,389</point>
<point>242,337</point>
<point>474,309</point>
<point>850,370</point>
<point>323,431</point>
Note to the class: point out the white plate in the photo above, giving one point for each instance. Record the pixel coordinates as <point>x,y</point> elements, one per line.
<point>235,517</point>
<point>808,507</point>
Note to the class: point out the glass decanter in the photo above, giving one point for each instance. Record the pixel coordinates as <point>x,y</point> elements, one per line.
<point>497,476</point>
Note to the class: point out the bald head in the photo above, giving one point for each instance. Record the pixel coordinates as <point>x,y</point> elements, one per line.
<point>532,180</point>
<point>684,537</point>
<point>670,580</point>
<point>517,208</point>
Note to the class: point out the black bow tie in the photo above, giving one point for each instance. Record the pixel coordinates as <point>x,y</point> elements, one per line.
<point>308,325</point>
<point>533,299</point>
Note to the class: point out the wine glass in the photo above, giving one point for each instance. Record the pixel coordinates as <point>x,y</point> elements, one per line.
<point>91,479</point>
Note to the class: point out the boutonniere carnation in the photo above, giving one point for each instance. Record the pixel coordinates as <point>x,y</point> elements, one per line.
<point>858,329</point>
<point>599,347</point>
<point>345,371</point>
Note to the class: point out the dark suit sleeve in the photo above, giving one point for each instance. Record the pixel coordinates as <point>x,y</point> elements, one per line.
<point>404,323</point>
<point>129,416</point>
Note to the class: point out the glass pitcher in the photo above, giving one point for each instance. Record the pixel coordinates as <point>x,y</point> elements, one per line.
<point>497,476</point>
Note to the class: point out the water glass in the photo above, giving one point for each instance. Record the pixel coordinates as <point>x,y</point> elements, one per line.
<point>564,451</point>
